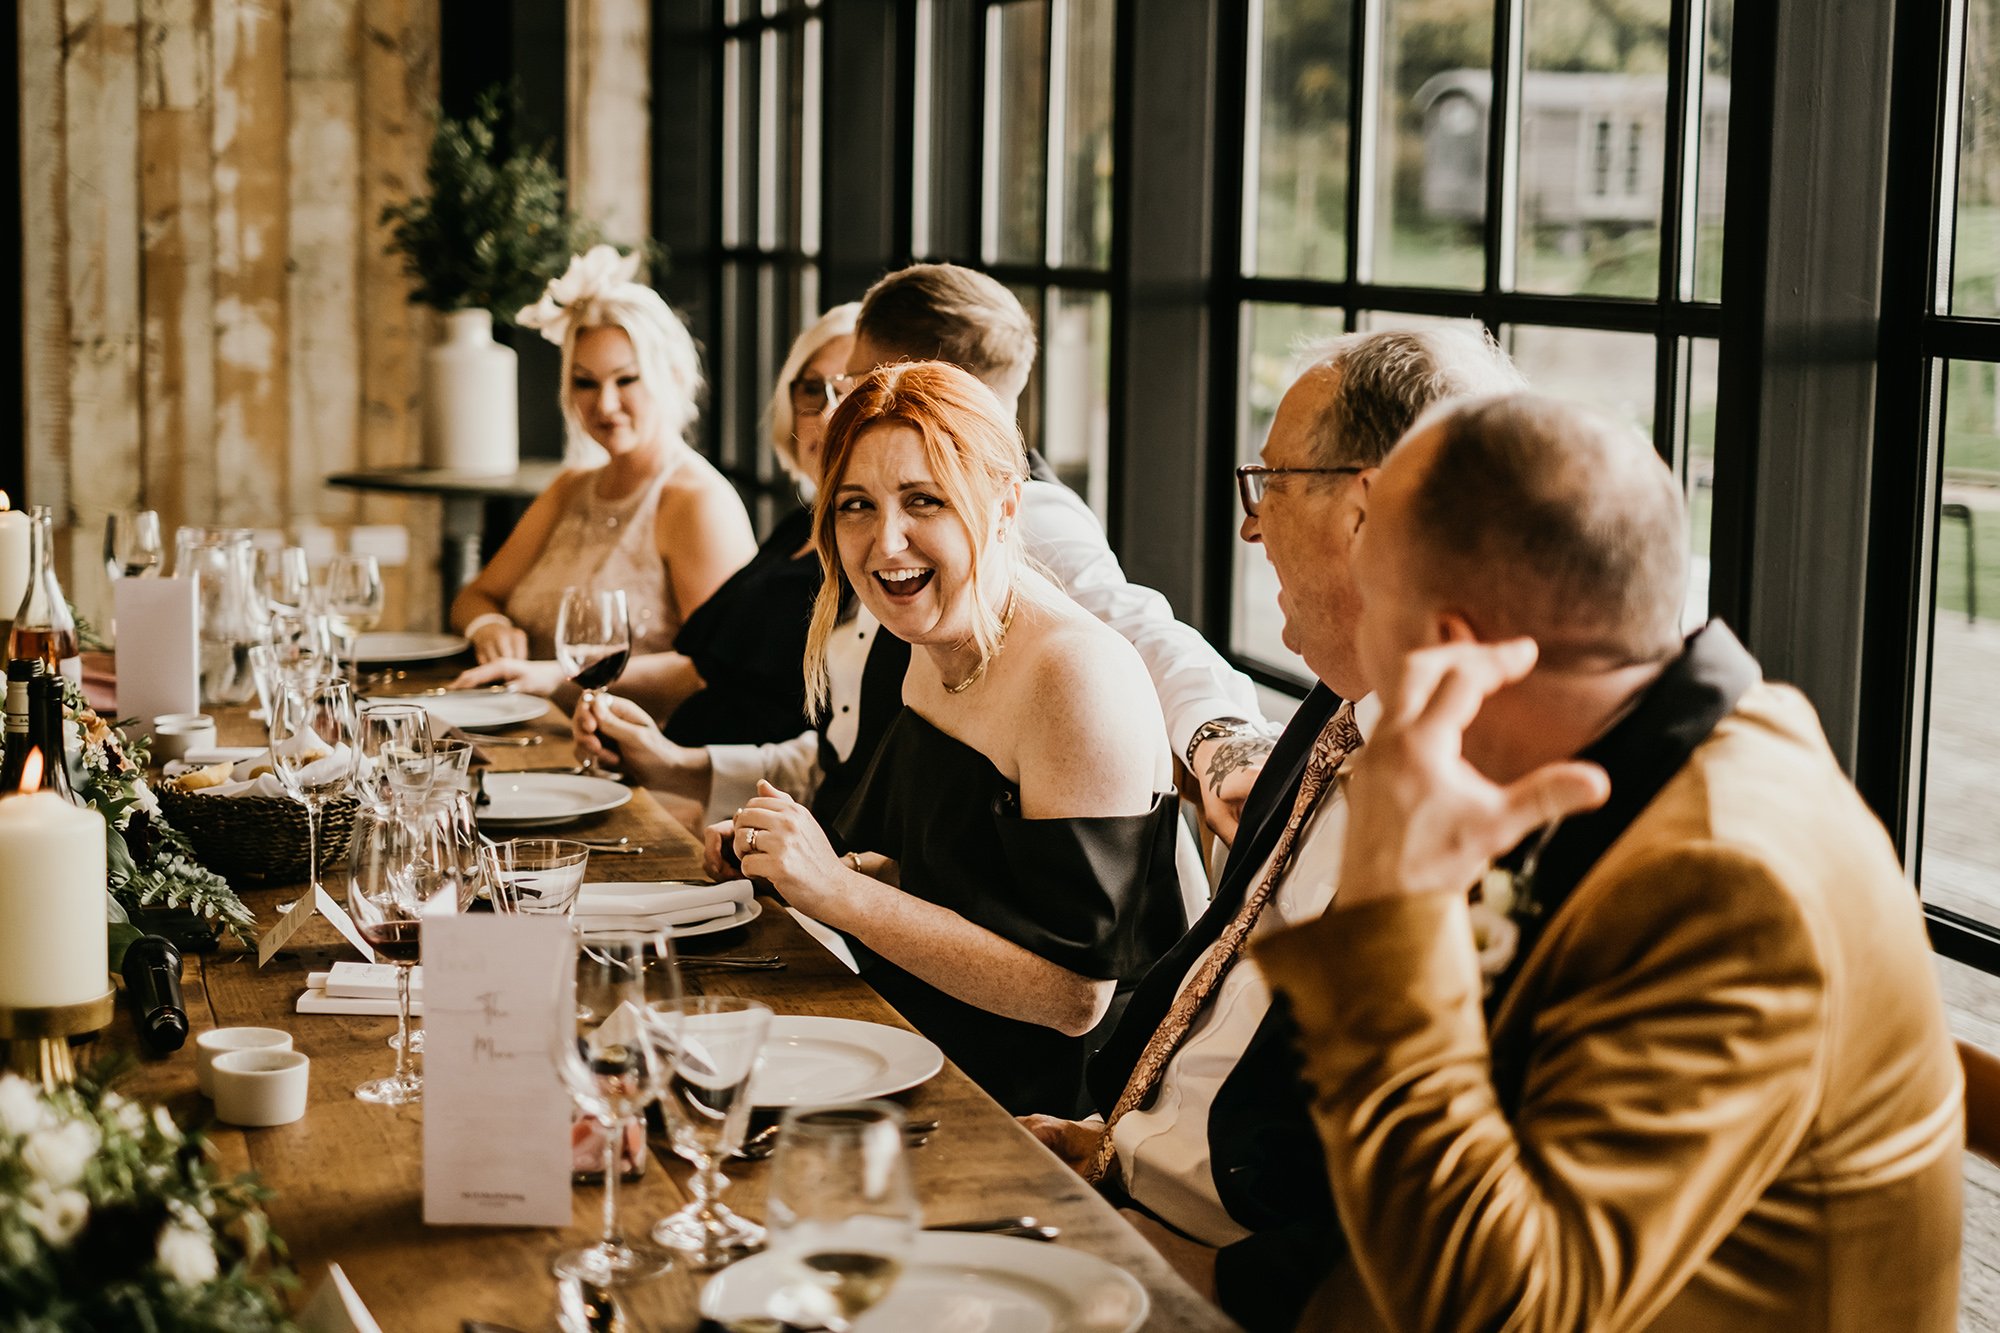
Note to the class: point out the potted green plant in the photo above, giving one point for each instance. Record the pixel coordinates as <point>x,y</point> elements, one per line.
<point>490,228</point>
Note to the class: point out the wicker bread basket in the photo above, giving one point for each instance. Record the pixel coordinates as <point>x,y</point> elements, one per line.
<point>257,839</point>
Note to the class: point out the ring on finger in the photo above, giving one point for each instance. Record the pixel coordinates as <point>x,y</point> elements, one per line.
<point>750,840</point>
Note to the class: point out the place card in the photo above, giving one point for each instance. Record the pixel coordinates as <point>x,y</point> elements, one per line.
<point>496,1119</point>
<point>336,1308</point>
<point>159,647</point>
<point>300,912</point>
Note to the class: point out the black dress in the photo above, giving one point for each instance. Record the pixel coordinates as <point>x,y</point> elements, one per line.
<point>748,640</point>
<point>1099,896</point>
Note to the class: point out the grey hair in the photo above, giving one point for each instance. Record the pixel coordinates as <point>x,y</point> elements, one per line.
<point>835,323</point>
<point>1382,382</point>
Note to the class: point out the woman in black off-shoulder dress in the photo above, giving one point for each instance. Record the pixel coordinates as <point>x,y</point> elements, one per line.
<point>1005,867</point>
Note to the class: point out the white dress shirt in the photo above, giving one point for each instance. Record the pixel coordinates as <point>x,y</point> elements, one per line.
<point>1163,1148</point>
<point>1193,682</point>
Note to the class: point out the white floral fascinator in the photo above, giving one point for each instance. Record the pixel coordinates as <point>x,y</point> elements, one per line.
<point>596,273</point>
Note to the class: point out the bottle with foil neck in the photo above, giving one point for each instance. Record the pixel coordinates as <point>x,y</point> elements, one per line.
<point>34,725</point>
<point>43,627</point>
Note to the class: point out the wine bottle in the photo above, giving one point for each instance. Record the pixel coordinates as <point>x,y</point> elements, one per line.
<point>43,627</point>
<point>152,973</point>
<point>45,695</point>
<point>20,724</point>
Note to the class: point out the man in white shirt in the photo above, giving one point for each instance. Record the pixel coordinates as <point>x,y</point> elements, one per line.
<point>949,313</point>
<point>1210,1140</point>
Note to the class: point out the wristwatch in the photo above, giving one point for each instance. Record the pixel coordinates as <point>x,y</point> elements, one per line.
<point>1217,728</point>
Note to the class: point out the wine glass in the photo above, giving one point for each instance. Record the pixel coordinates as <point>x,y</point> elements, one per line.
<point>539,876</point>
<point>132,547</point>
<point>593,641</point>
<point>312,751</point>
<point>407,864</point>
<point>354,599</point>
<point>284,578</point>
<point>395,763</point>
<point>716,1041</point>
<point>613,1058</point>
<point>841,1211</point>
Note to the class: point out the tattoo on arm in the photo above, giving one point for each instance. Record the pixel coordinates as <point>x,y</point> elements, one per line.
<point>1232,756</point>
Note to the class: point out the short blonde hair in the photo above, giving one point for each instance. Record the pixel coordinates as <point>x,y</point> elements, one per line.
<point>835,323</point>
<point>669,366</point>
<point>974,452</point>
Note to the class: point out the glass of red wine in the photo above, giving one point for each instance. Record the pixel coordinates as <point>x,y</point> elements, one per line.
<point>404,866</point>
<point>593,641</point>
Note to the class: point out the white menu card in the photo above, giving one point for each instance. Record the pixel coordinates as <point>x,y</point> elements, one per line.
<point>496,1119</point>
<point>159,648</point>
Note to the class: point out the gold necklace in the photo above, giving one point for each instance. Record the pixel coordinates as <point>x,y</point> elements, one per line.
<point>999,642</point>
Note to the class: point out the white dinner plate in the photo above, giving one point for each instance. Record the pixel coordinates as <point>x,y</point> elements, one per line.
<point>811,1061</point>
<point>399,646</point>
<point>962,1284</point>
<point>744,914</point>
<point>477,710</point>
<point>525,800</point>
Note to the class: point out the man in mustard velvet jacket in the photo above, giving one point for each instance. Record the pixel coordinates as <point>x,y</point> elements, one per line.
<point>1711,1088</point>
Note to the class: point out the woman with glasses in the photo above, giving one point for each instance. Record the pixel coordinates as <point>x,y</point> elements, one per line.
<point>653,518</point>
<point>734,675</point>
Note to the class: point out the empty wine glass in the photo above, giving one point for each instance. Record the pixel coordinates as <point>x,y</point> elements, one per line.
<point>354,600</point>
<point>132,547</point>
<point>312,751</point>
<point>395,763</point>
<point>716,1042</point>
<point>283,578</point>
<point>539,876</point>
<point>593,641</point>
<point>613,1057</point>
<point>841,1211</point>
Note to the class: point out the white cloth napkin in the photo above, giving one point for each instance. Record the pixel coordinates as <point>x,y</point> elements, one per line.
<point>268,785</point>
<point>668,898</point>
<point>313,1000</point>
<point>363,981</point>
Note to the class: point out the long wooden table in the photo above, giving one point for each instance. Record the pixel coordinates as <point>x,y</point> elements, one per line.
<point>348,1177</point>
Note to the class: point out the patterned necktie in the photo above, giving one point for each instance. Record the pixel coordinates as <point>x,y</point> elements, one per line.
<point>1336,741</point>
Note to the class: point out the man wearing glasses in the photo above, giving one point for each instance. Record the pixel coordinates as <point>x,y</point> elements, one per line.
<point>1204,1131</point>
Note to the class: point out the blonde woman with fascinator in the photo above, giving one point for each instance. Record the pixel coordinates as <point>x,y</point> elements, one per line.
<point>653,517</point>
<point>1006,865</point>
<point>733,677</point>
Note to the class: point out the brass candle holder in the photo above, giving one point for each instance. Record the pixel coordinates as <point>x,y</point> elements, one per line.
<point>36,1037</point>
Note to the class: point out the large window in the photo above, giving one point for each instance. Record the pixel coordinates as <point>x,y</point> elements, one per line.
<point>1548,168</point>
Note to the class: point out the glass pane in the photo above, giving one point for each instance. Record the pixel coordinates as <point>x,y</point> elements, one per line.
<point>1076,392</point>
<point>1301,69</point>
<point>809,139</point>
<point>1697,469</point>
<point>1593,147</point>
<point>1031,397</point>
<point>1961,838</point>
<point>1379,321</point>
<point>1714,151</point>
<point>1085,136</point>
<point>1017,106</point>
<point>1276,339</point>
<point>1430,191</point>
<point>773,159</point>
<point>1613,372</point>
<point>734,150</point>
<point>1975,268</point>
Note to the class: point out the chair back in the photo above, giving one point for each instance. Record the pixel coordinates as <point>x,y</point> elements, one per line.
<point>1982,1100</point>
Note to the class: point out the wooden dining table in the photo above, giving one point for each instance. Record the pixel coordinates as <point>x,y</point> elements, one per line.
<point>348,1178</point>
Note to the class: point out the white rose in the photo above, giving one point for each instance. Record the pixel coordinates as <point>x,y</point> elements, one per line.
<point>57,1214</point>
<point>186,1255</point>
<point>57,1156</point>
<point>21,1108</point>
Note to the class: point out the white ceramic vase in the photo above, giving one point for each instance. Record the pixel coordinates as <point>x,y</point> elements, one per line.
<point>471,422</point>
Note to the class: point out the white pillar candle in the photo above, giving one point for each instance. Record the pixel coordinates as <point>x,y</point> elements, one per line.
<point>14,530</point>
<point>52,882</point>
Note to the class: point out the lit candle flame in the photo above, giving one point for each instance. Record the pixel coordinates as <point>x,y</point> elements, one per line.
<point>3,502</point>
<point>31,771</point>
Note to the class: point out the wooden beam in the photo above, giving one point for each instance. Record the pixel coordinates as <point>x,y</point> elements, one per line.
<point>177,260</point>
<point>45,252</point>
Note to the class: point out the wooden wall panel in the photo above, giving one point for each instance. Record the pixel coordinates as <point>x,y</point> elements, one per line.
<point>324,318</point>
<point>45,254</point>
<point>610,115</point>
<point>101,177</point>
<point>252,409</point>
<point>177,261</point>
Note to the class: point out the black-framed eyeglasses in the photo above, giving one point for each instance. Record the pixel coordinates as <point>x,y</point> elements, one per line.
<point>1253,479</point>
<point>812,395</point>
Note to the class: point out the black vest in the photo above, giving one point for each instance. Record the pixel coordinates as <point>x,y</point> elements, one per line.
<point>880,700</point>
